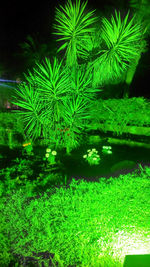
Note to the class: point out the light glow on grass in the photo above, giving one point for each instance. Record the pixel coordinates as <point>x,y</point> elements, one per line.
<point>129,242</point>
<point>133,243</point>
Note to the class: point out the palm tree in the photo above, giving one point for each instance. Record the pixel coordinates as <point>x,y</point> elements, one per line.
<point>120,42</point>
<point>60,96</point>
<point>51,100</point>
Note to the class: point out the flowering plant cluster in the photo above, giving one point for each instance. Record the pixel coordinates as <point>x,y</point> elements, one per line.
<point>107,149</point>
<point>50,156</point>
<point>92,157</point>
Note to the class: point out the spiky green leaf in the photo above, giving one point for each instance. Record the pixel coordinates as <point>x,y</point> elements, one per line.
<point>72,23</point>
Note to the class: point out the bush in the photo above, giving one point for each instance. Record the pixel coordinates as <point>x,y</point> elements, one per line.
<point>11,129</point>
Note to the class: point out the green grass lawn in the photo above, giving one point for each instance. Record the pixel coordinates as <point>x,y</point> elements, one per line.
<point>85,224</point>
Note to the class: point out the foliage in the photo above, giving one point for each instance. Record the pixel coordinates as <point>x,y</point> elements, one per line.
<point>142,10</point>
<point>56,97</point>
<point>109,52</point>
<point>10,122</point>
<point>120,112</point>
<point>92,157</point>
<point>107,149</point>
<point>73,25</point>
<point>92,45</point>
<point>13,177</point>
<point>122,40</point>
<point>28,149</point>
<point>50,156</point>
<point>47,180</point>
<point>82,224</point>
<point>82,83</point>
<point>76,116</point>
<point>46,87</point>
<point>21,175</point>
<point>145,172</point>
<point>50,99</point>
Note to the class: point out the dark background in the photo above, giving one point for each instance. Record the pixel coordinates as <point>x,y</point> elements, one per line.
<point>21,18</point>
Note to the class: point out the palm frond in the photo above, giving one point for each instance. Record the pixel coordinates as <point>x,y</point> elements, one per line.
<point>29,101</point>
<point>75,115</point>
<point>122,37</point>
<point>82,83</point>
<point>123,41</point>
<point>90,45</point>
<point>76,111</point>
<point>72,24</point>
<point>53,81</point>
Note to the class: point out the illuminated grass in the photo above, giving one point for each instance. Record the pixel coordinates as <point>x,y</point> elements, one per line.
<point>87,224</point>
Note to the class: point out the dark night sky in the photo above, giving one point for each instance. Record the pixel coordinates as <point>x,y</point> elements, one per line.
<point>18,19</point>
<point>21,18</point>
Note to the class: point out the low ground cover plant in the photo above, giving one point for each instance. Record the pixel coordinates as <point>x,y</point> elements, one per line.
<point>85,224</point>
<point>22,173</point>
<point>17,174</point>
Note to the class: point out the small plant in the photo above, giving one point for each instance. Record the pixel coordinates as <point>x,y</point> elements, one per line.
<point>22,167</point>
<point>15,176</point>
<point>28,149</point>
<point>50,156</point>
<point>92,157</point>
<point>107,149</point>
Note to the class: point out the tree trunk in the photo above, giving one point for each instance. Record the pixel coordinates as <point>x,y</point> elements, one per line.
<point>129,75</point>
<point>126,90</point>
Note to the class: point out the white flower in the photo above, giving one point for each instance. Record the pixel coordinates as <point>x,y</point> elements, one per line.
<point>85,156</point>
<point>88,150</point>
<point>94,158</point>
<point>90,154</point>
<point>48,150</point>
<point>54,153</point>
<point>94,150</point>
<point>109,152</point>
<point>47,155</point>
